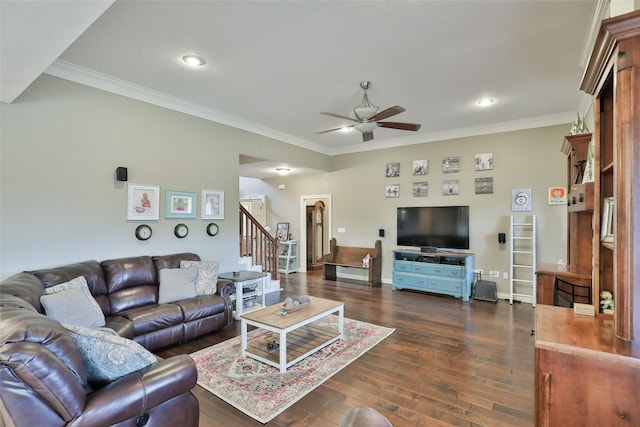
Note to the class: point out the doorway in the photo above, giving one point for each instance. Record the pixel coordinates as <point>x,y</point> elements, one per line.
<point>311,200</point>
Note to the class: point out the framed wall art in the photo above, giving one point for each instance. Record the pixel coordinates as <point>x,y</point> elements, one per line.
<point>484,185</point>
<point>557,196</point>
<point>450,164</point>
<point>392,170</point>
<point>483,162</point>
<point>521,200</point>
<point>450,187</point>
<point>180,204</point>
<point>212,204</point>
<point>420,189</point>
<point>420,167</point>
<point>392,190</point>
<point>143,202</point>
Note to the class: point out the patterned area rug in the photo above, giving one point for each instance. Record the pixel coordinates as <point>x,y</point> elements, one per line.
<point>260,390</point>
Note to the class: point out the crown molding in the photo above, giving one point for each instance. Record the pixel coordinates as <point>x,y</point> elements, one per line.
<point>87,77</point>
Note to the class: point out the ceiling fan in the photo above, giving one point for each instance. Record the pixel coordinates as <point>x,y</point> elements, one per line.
<point>367,117</point>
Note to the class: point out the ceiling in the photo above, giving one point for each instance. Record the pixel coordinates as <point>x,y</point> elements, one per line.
<point>273,66</point>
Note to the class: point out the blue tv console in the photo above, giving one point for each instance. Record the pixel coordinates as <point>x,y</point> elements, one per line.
<point>448,273</point>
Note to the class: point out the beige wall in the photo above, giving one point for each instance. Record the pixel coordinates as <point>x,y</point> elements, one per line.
<point>523,159</point>
<point>60,203</point>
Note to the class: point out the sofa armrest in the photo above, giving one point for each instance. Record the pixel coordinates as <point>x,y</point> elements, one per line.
<point>226,288</point>
<point>136,393</point>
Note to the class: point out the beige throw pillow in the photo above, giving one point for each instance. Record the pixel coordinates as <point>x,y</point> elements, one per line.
<point>206,284</point>
<point>72,303</point>
<point>177,284</point>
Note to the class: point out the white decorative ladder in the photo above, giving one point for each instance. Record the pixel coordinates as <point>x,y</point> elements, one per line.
<point>523,248</point>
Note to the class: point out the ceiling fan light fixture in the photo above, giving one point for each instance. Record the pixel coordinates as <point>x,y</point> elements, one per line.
<point>366,109</point>
<point>283,171</point>
<point>366,127</point>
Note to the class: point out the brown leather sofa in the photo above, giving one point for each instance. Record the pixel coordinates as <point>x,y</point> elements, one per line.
<point>42,377</point>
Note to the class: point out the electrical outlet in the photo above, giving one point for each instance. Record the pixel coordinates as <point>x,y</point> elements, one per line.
<point>341,230</point>
<point>478,271</point>
<point>505,275</point>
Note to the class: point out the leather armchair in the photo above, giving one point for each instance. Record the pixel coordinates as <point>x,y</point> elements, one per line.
<point>44,382</point>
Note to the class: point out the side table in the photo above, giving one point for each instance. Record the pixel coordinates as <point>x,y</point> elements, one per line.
<point>246,279</point>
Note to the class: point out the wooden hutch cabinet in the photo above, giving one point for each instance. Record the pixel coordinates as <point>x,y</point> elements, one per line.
<point>588,368</point>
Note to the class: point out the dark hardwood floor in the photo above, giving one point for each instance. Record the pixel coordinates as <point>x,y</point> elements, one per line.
<point>449,363</point>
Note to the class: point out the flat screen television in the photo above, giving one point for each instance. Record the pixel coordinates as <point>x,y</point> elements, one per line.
<point>445,227</point>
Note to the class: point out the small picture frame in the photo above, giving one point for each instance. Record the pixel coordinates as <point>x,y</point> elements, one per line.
<point>483,162</point>
<point>451,187</point>
<point>143,202</point>
<point>212,204</point>
<point>608,215</point>
<point>180,204</point>
<point>392,170</point>
<point>450,164</point>
<point>420,189</point>
<point>557,196</point>
<point>282,231</point>
<point>392,190</point>
<point>484,185</point>
<point>420,167</point>
<point>521,200</point>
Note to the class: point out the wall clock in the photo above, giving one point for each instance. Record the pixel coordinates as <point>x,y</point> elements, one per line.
<point>143,232</point>
<point>212,229</point>
<point>181,230</point>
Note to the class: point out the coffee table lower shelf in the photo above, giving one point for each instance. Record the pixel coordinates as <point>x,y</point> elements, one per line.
<point>298,334</point>
<point>300,343</point>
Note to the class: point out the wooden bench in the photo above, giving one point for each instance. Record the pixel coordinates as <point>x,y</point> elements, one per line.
<point>346,256</point>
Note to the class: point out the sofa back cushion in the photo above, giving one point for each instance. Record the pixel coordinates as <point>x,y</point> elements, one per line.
<point>25,286</point>
<point>173,261</point>
<point>131,282</point>
<point>90,270</point>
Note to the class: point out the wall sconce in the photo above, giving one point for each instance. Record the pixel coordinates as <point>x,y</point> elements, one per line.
<point>283,171</point>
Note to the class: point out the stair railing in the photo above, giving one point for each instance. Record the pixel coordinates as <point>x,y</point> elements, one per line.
<point>257,243</point>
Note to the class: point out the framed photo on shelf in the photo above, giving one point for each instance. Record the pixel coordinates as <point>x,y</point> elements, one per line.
<point>180,204</point>
<point>143,202</point>
<point>608,209</point>
<point>282,231</point>
<point>212,204</point>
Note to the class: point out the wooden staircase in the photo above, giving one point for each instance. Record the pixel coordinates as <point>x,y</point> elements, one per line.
<point>256,243</point>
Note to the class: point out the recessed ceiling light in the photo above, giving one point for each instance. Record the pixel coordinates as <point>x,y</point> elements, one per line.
<point>485,102</point>
<point>194,61</point>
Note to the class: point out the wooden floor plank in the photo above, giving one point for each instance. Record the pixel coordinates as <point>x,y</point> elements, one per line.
<point>448,362</point>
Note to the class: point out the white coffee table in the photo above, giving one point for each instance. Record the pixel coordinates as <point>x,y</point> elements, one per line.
<point>296,333</point>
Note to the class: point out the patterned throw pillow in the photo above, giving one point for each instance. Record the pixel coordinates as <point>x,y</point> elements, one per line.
<point>106,355</point>
<point>207,276</point>
<point>177,284</point>
<point>72,303</point>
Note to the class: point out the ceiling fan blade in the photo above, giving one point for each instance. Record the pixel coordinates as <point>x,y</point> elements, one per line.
<point>402,126</point>
<point>367,136</point>
<point>391,111</point>
<point>338,116</point>
<point>331,130</point>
